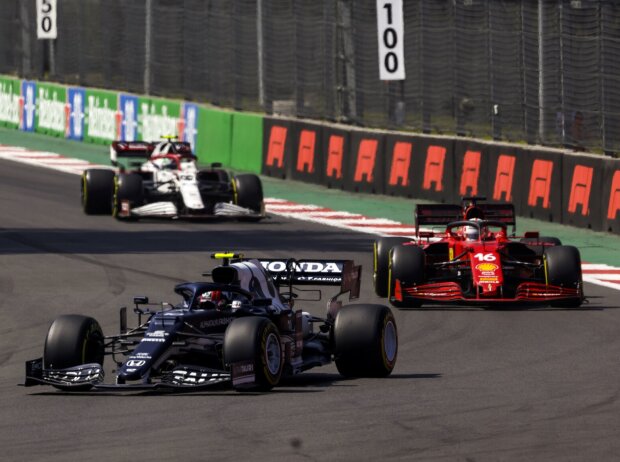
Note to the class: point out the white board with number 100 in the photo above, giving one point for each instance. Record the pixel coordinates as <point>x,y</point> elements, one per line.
<point>391,36</point>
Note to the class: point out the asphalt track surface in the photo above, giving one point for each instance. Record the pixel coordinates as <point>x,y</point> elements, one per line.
<point>469,384</point>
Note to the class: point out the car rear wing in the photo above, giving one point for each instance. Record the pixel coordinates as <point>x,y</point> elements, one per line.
<point>343,273</point>
<point>143,149</point>
<point>133,149</point>
<point>442,214</point>
<point>503,212</point>
<point>436,215</point>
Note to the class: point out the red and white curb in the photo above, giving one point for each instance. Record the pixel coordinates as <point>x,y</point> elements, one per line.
<point>47,159</point>
<point>338,219</point>
<point>601,274</point>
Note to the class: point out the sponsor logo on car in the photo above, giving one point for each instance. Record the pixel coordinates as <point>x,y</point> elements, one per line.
<point>277,266</point>
<point>486,267</point>
<point>216,322</point>
<point>490,279</point>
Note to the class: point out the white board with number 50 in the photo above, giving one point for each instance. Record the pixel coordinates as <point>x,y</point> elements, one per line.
<point>46,19</point>
<point>391,37</point>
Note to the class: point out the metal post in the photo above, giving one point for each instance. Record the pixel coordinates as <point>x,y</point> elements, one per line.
<point>52,57</point>
<point>147,46</point>
<point>541,72</point>
<point>259,46</point>
<point>601,76</point>
<point>349,111</point>
<point>562,111</point>
<point>24,19</point>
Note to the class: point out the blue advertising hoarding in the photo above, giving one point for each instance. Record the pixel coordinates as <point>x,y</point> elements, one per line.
<point>128,106</point>
<point>29,106</point>
<point>75,123</point>
<point>190,123</point>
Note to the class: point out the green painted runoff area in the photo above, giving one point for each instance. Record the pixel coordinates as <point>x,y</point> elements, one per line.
<point>595,247</point>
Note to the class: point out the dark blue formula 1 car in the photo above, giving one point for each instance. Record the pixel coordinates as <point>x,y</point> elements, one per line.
<point>239,328</point>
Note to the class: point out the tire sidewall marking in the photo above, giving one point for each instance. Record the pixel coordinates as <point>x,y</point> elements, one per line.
<point>387,363</point>
<point>271,378</point>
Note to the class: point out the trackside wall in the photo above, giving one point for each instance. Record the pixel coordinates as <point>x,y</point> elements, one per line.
<point>548,184</point>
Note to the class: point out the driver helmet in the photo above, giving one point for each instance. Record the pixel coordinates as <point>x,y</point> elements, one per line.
<point>471,233</point>
<point>212,297</point>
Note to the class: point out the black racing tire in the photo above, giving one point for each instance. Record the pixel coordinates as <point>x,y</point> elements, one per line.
<point>97,189</point>
<point>73,340</point>
<point>563,266</point>
<point>249,192</point>
<point>365,341</point>
<point>127,187</point>
<point>381,262</point>
<point>407,265</point>
<point>255,340</point>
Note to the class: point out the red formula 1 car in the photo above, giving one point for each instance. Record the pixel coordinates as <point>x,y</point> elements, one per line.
<point>474,260</point>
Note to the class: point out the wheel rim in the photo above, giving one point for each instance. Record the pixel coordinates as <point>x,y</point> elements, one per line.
<point>272,354</point>
<point>390,341</point>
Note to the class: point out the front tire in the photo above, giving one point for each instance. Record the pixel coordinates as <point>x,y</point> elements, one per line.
<point>128,187</point>
<point>381,262</point>
<point>563,265</point>
<point>365,341</point>
<point>407,264</point>
<point>96,191</point>
<point>249,192</point>
<point>255,340</point>
<point>73,340</point>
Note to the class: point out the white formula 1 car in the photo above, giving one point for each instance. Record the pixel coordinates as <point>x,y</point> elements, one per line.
<point>168,183</point>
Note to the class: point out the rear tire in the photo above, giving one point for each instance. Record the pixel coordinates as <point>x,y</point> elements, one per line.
<point>128,187</point>
<point>73,340</point>
<point>407,265</point>
<point>564,269</point>
<point>249,192</point>
<point>381,262</point>
<point>365,341</point>
<point>97,190</point>
<point>255,340</point>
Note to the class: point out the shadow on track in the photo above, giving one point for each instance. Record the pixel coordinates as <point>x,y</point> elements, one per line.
<point>74,241</point>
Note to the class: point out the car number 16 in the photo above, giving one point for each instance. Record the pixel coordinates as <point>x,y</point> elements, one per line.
<point>485,256</point>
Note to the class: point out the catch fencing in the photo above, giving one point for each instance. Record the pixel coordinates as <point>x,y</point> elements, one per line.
<point>540,71</point>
